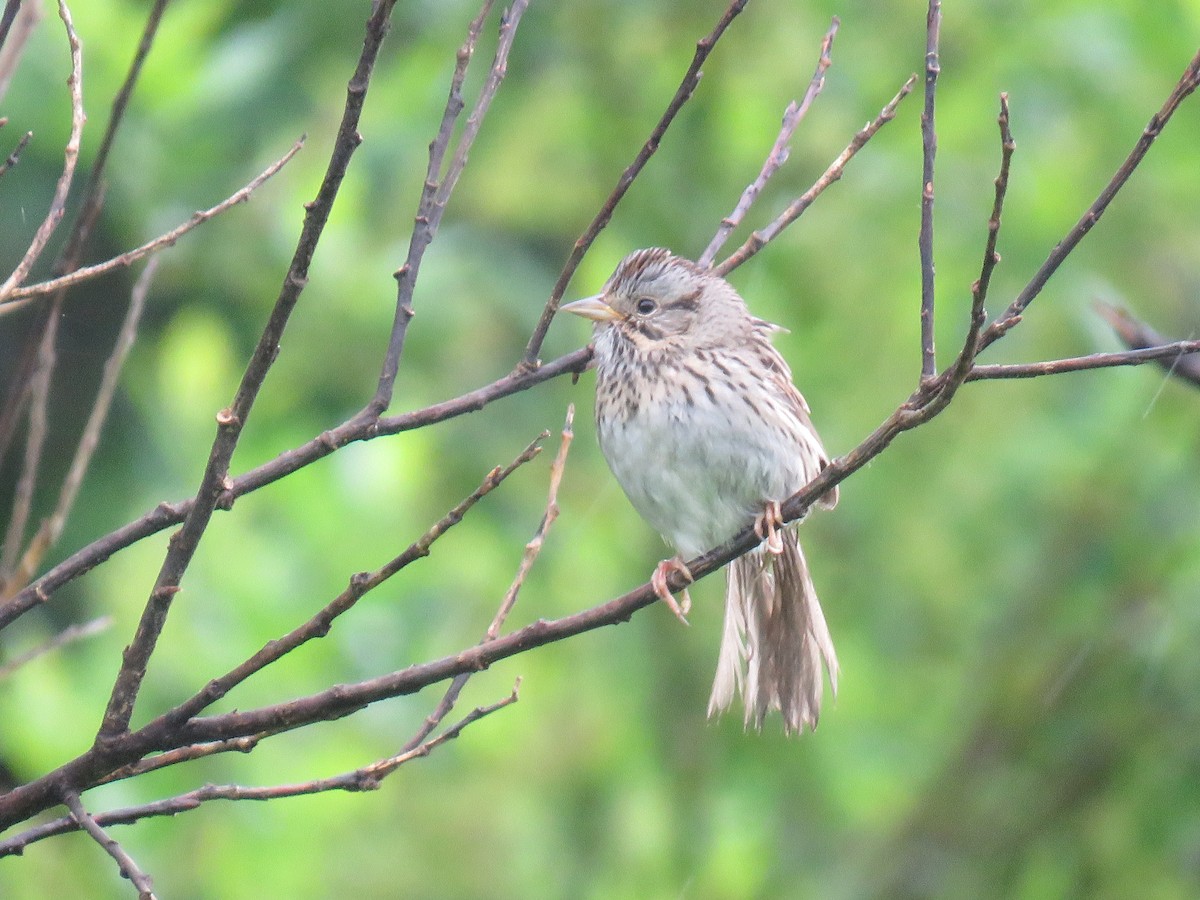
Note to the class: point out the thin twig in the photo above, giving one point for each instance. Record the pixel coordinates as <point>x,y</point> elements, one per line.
<point>439,186</point>
<point>792,117</point>
<point>58,203</point>
<point>35,439</point>
<point>182,755</point>
<point>450,697</point>
<point>362,779</point>
<point>1137,335</point>
<point>19,22</point>
<point>360,584</point>
<point>89,211</point>
<point>534,547</point>
<point>68,635</point>
<point>979,290</point>
<point>764,236</point>
<point>1162,354</point>
<point>1188,82</point>
<point>166,515</point>
<point>11,8</point>
<point>51,527</point>
<point>933,25</point>
<point>691,78</point>
<point>129,869</point>
<point>231,420</point>
<point>167,239</point>
<point>15,156</point>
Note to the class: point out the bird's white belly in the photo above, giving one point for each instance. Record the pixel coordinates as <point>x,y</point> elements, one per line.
<point>699,473</point>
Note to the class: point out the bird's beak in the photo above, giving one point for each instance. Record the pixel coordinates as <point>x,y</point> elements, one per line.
<point>594,308</point>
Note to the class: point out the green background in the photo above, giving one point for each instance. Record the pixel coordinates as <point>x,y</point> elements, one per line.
<point>1012,589</point>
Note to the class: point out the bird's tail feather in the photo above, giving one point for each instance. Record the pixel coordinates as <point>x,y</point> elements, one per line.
<point>775,641</point>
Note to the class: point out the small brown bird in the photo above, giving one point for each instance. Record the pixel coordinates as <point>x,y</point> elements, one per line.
<point>700,422</point>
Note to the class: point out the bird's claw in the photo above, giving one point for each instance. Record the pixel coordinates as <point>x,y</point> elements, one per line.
<point>767,525</point>
<point>659,582</point>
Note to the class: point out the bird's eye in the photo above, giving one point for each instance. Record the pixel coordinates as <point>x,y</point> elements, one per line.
<point>645,306</point>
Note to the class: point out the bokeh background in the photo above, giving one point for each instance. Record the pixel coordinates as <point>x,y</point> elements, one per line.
<point>1013,589</point>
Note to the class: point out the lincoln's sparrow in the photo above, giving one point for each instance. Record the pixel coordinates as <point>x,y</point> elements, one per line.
<point>700,422</point>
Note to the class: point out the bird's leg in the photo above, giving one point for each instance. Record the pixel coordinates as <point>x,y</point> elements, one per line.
<point>767,525</point>
<point>659,582</point>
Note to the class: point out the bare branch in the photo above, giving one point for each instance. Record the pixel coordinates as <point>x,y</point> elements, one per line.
<point>792,117</point>
<point>129,869</point>
<point>534,547</point>
<point>35,439</point>
<point>1137,335</point>
<point>450,697</point>
<point>439,187</point>
<point>362,779</point>
<point>15,156</point>
<point>360,584</point>
<point>979,290</point>
<point>51,528</point>
<point>683,93</point>
<point>232,420</point>
<point>761,238</point>
<point>1188,82</point>
<point>166,515</point>
<point>933,26</point>
<point>1165,354</point>
<point>16,27</point>
<point>167,239</point>
<point>68,635</point>
<point>58,203</point>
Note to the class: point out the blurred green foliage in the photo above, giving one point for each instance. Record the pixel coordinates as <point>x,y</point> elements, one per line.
<point>1013,589</point>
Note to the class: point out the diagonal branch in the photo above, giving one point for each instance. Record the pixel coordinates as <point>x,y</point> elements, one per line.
<point>1138,335</point>
<point>796,208</point>
<point>780,151</point>
<point>129,869</point>
<point>58,203</point>
<point>167,239</point>
<point>363,779</point>
<point>51,528</point>
<point>232,420</point>
<point>954,377</point>
<point>360,584</point>
<point>1188,82</point>
<point>439,187</point>
<point>166,514</point>
<point>691,78</point>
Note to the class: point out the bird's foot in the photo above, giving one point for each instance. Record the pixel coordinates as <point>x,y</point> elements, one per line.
<point>659,582</point>
<point>767,525</point>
